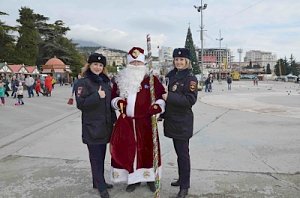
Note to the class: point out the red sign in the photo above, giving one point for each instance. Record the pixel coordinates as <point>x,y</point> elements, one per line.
<point>209,59</point>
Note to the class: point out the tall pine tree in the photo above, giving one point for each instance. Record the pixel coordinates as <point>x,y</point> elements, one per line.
<point>189,44</point>
<point>7,45</point>
<point>27,45</point>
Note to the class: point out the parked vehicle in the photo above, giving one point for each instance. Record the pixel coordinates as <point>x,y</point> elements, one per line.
<point>235,75</point>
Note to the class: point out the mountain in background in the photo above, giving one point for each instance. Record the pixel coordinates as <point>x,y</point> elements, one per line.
<point>82,43</point>
<point>88,47</point>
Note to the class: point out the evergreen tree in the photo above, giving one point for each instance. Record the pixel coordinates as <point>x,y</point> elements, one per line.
<point>27,45</point>
<point>72,57</point>
<point>287,67</point>
<point>189,44</point>
<point>268,69</point>
<point>295,68</point>
<point>7,45</point>
<point>53,42</point>
<point>280,68</point>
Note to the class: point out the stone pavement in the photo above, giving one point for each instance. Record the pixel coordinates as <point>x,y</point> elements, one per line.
<point>246,143</point>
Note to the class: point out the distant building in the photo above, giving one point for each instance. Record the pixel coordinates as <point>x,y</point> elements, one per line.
<point>215,61</point>
<point>261,58</point>
<point>165,59</point>
<point>165,54</point>
<point>9,70</point>
<point>57,68</point>
<point>113,57</point>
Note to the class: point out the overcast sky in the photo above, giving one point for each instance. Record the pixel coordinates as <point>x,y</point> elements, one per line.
<point>267,25</point>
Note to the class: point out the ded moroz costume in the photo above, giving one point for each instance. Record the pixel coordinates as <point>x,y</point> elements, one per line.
<point>131,143</point>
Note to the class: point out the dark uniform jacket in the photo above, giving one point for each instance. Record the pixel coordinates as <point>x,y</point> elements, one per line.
<point>182,95</point>
<point>97,114</point>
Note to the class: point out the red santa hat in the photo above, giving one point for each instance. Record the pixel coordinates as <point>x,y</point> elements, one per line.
<point>136,53</point>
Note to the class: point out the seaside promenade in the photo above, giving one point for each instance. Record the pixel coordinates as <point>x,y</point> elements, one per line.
<point>246,143</point>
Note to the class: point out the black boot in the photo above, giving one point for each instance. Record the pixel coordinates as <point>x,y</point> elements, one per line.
<point>151,186</point>
<point>104,194</point>
<point>182,193</point>
<point>130,188</point>
<point>109,186</point>
<point>175,183</point>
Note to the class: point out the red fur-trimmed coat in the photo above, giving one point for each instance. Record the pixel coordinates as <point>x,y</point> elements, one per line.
<point>131,143</point>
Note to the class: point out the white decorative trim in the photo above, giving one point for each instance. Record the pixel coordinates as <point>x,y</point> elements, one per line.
<point>131,104</point>
<point>114,103</point>
<point>140,175</point>
<point>141,58</point>
<point>162,105</point>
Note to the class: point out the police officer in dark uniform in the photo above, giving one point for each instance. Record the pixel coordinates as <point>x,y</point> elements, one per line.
<point>178,116</point>
<point>93,97</point>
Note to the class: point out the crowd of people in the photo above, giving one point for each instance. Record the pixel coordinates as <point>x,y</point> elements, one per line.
<point>19,83</point>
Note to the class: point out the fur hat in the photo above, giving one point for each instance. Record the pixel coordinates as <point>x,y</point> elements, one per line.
<point>97,58</point>
<point>136,53</point>
<point>181,52</point>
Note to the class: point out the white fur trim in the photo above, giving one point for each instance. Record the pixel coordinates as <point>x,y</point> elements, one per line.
<point>162,105</point>
<point>130,105</point>
<point>114,103</point>
<point>118,175</point>
<point>140,175</point>
<point>141,58</point>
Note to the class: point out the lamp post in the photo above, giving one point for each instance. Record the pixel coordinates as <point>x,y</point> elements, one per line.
<point>220,55</point>
<point>200,10</point>
<point>240,51</point>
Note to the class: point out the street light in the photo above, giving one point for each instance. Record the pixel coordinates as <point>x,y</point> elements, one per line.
<point>220,55</point>
<point>199,9</point>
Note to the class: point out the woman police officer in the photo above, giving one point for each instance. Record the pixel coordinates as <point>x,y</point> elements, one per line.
<point>93,97</point>
<point>178,116</point>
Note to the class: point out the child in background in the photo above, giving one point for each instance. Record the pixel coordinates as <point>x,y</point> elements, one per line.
<point>20,94</point>
<point>38,87</point>
<point>2,93</point>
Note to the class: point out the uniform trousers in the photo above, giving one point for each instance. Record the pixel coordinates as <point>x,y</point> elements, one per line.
<point>97,156</point>
<point>183,161</point>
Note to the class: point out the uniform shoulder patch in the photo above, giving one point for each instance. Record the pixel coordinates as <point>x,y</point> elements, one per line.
<point>193,85</point>
<point>79,91</point>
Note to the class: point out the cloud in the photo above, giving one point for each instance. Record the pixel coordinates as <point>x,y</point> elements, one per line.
<point>270,25</point>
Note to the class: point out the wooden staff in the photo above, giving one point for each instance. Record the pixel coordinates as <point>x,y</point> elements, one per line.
<point>153,123</point>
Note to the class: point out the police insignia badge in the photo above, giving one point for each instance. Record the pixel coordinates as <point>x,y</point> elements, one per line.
<point>193,86</point>
<point>174,87</point>
<point>79,91</point>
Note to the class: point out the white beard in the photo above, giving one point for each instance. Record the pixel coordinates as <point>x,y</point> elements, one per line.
<point>129,79</point>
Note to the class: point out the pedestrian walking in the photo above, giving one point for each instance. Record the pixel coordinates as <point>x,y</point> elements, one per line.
<point>38,87</point>
<point>20,90</point>
<point>6,86</point>
<point>229,81</point>
<point>14,86</point>
<point>178,117</point>
<point>29,82</point>
<point>2,93</point>
<point>208,83</point>
<point>93,97</point>
<point>48,85</point>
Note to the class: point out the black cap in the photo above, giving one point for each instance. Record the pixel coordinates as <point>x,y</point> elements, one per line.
<point>181,52</point>
<point>97,58</point>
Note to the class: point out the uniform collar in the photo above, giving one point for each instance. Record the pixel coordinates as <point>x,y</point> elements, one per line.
<point>96,78</point>
<point>181,73</point>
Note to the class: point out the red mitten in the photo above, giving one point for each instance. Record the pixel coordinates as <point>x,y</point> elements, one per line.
<point>154,109</point>
<point>121,101</point>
